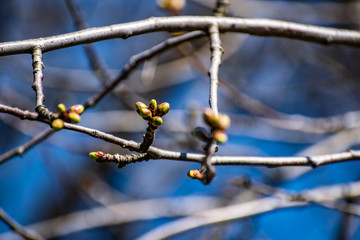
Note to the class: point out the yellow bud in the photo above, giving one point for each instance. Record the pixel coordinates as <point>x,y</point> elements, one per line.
<point>57,124</point>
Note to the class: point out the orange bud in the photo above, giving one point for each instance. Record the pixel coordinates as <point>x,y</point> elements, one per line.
<point>57,124</point>
<point>79,109</point>
<point>220,136</point>
<point>195,174</point>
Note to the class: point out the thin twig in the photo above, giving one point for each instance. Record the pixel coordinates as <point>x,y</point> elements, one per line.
<point>221,6</point>
<point>20,150</point>
<point>16,227</point>
<point>38,66</point>
<point>216,52</point>
<point>135,60</point>
<point>157,153</point>
<point>258,27</point>
<point>96,63</point>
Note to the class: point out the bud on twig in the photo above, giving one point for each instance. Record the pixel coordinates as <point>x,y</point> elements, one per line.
<point>153,106</point>
<point>145,113</point>
<point>74,117</point>
<point>139,106</point>
<point>96,155</point>
<point>61,108</point>
<point>79,109</point>
<point>195,174</point>
<point>220,136</point>
<point>157,121</point>
<point>57,124</point>
<point>163,109</point>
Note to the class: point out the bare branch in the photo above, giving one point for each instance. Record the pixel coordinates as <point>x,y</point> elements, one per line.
<point>135,60</point>
<point>16,227</point>
<point>26,146</point>
<point>122,213</point>
<point>258,27</point>
<point>95,61</point>
<point>157,153</point>
<point>245,210</point>
<point>221,6</point>
<point>38,76</point>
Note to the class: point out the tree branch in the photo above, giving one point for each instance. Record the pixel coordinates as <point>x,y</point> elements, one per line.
<point>258,27</point>
<point>16,227</point>
<point>245,210</point>
<point>38,66</point>
<point>157,153</point>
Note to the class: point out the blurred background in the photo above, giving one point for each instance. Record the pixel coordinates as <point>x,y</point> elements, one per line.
<point>284,98</point>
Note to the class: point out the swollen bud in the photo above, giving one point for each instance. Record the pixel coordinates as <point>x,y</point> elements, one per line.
<point>96,155</point>
<point>153,105</point>
<point>224,121</point>
<point>220,136</point>
<point>209,117</point>
<point>57,124</point>
<point>74,117</point>
<point>195,174</point>
<point>79,109</point>
<point>163,109</point>
<point>157,121</point>
<point>201,134</point>
<point>61,108</point>
<point>145,113</point>
<point>139,106</point>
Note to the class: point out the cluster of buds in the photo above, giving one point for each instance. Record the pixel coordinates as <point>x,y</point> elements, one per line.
<point>218,125</point>
<point>71,115</point>
<point>152,113</point>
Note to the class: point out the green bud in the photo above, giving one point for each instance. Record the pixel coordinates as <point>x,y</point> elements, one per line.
<point>74,117</point>
<point>57,124</point>
<point>201,134</point>
<point>220,136</point>
<point>157,121</point>
<point>96,155</point>
<point>61,108</point>
<point>145,113</point>
<point>79,109</point>
<point>209,117</point>
<point>195,174</point>
<point>223,122</point>
<point>163,109</point>
<point>139,106</point>
<point>153,105</point>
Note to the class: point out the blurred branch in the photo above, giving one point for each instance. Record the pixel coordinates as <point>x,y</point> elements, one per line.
<point>157,153</point>
<point>248,209</point>
<point>95,61</point>
<point>122,213</point>
<point>20,150</point>
<point>258,27</point>
<point>323,196</point>
<point>16,227</point>
<point>135,60</point>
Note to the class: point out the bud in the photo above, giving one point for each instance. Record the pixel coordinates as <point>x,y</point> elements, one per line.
<point>79,109</point>
<point>153,105</point>
<point>145,113</point>
<point>172,5</point>
<point>96,155</point>
<point>195,174</point>
<point>139,106</point>
<point>223,122</point>
<point>201,134</point>
<point>57,124</point>
<point>74,117</point>
<point>220,136</point>
<point>209,117</point>
<point>61,108</point>
<point>157,121</point>
<point>163,109</point>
